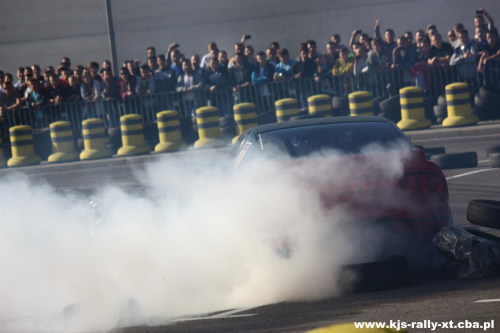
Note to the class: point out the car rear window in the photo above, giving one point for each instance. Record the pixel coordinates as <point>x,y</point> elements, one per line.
<point>347,138</point>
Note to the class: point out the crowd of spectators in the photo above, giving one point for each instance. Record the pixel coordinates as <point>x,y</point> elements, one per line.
<point>470,54</point>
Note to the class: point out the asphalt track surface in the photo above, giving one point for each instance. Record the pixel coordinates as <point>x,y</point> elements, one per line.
<point>437,296</point>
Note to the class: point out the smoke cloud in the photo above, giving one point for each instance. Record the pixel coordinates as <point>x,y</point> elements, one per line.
<point>199,238</point>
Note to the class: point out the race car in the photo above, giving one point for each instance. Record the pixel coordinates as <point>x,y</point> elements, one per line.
<point>366,165</point>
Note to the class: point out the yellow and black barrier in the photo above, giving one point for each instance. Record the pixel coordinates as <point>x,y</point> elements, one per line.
<point>169,131</point>
<point>320,105</point>
<point>412,109</point>
<point>207,120</point>
<point>23,150</point>
<point>245,116</point>
<point>2,158</point>
<point>94,140</point>
<point>286,108</point>
<point>63,145</point>
<point>458,106</point>
<point>132,136</point>
<point>360,103</point>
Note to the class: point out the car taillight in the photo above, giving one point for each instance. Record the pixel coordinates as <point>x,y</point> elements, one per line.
<point>420,183</point>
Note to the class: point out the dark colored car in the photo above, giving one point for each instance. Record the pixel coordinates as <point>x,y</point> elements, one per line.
<point>365,164</point>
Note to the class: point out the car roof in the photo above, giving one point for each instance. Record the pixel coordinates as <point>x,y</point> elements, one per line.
<point>315,121</point>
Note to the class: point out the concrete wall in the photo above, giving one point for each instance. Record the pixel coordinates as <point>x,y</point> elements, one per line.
<point>36,31</point>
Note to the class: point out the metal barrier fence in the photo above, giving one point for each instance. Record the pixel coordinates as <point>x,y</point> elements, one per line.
<point>431,79</point>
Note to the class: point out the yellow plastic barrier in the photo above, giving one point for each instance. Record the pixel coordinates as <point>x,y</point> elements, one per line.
<point>169,131</point>
<point>320,105</point>
<point>132,136</point>
<point>94,140</point>
<point>207,119</point>
<point>360,103</point>
<point>412,109</point>
<point>458,105</point>
<point>245,116</point>
<point>286,108</point>
<point>23,150</point>
<point>63,145</point>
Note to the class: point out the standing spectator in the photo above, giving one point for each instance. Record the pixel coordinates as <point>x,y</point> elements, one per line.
<point>110,93</point>
<point>452,37</point>
<point>389,36</point>
<point>487,61</point>
<point>360,57</point>
<point>464,57</point>
<point>479,21</point>
<point>66,62</point>
<point>343,70</point>
<point>36,99</point>
<point>409,37</point>
<point>106,64</point>
<point>440,52</point>
<point>10,102</point>
<point>420,37</point>
<point>249,54</point>
<point>480,39</point>
<point>126,85</point>
<point>431,31</point>
<point>152,64</point>
<point>457,28</point>
<point>165,77</point>
<point>74,91</point>
<point>223,60</point>
<point>404,55</point>
<point>145,86</point>
<point>283,70</point>
<point>63,76</point>
<point>188,83</point>
<point>305,68</point>
<point>150,52</point>
<point>323,75</point>
<point>195,62</point>
<point>93,67</point>
<point>312,48</point>
<point>176,65</point>
<point>241,76</point>
<point>212,50</point>
<point>21,85</point>
<point>331,53</point>
<point>57,92</point>
<point>263,74</point>
<point>90,94</point>
<point>238,48</point>
<point>217,80</point>
<point>378,58</point>
<point>272,56</point>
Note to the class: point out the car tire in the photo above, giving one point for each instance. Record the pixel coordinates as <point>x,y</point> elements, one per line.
<point>482,234</point>
<point>485,213</point>
<point>380,275</point>
<point>455,161</point>
<point>440,120</point>
<point>488,93</point>
<point>376,104</point>
<point>487,104</point>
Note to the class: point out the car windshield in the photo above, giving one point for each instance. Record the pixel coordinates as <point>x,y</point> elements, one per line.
<point>345,138</point>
